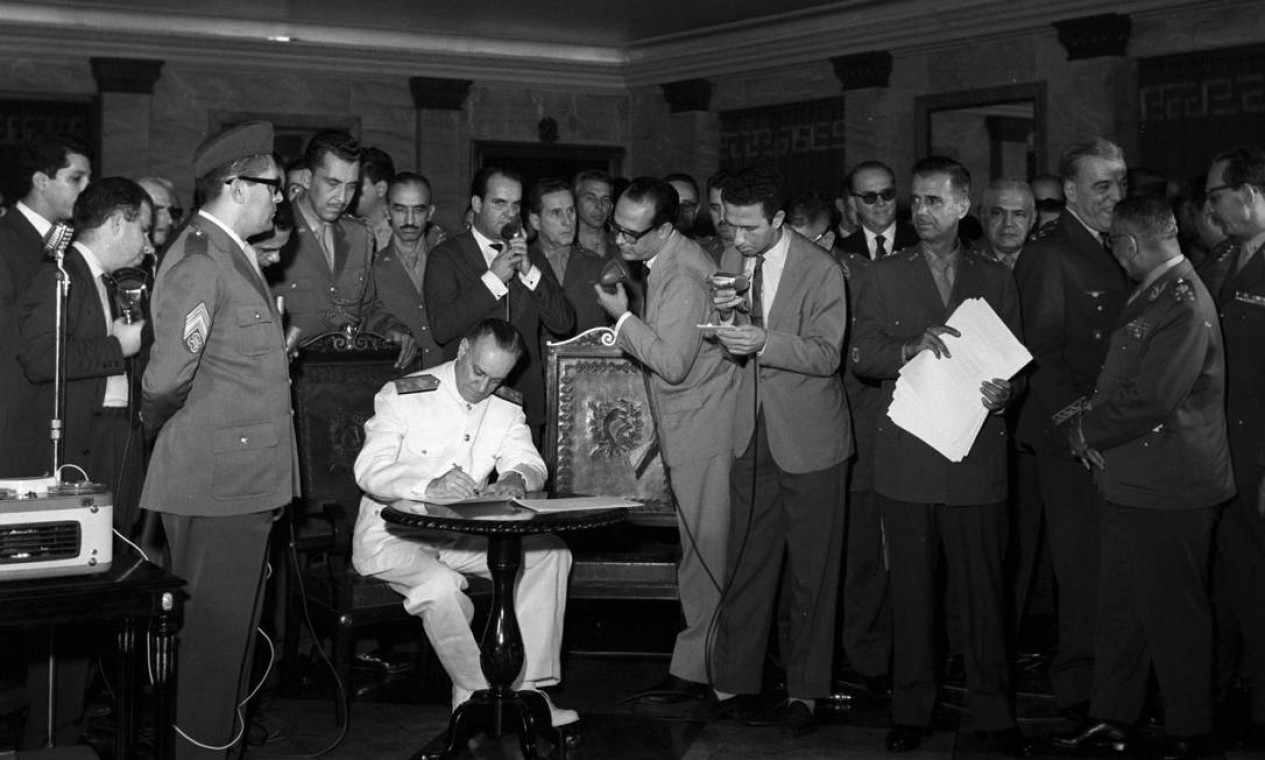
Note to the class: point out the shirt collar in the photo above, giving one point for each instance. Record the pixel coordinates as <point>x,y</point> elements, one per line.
<point>314,222</point>
<point>888,234</point>
<point>202,212</point>
<point>484,242</point>
<point>1160,271</point>
<point>41,225</point>
<point>1095,234</point>
<point>94,264</point>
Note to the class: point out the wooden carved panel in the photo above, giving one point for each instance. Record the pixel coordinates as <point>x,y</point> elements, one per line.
<point>601,437</point>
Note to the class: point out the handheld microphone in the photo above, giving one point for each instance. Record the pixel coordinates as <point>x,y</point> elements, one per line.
<point>612,274</point>
<point>132,288</point>
<point>510,231</point>
<point>740,283</point>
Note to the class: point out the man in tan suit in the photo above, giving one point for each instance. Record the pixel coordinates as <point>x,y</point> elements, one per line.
<point>793,437</point>
<point>691,393</point>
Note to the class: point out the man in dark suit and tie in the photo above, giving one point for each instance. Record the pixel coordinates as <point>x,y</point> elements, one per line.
<point>487,271</point>
<point>327,282</point>
<point>1236,279</point>
<point>112,219</point>
<point>691,386</point>
<point>1155,435</point>
<point>872,195</point>
<point>792,440</point>
<point>217,394</point>
<point>54,171</point>
<point>926,501</point>
<point>1071,290</point>
<point>551,212</point>
<point>399,269</point>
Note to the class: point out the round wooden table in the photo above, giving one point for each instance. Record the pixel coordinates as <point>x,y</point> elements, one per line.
<point>501,645</point>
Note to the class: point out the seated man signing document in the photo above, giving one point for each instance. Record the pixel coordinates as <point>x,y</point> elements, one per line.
<point>438,435</point>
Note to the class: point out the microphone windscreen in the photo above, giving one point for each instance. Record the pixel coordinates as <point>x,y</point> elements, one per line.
<point>612,273</point>
<point>509,231</point>
<point>741,283</point>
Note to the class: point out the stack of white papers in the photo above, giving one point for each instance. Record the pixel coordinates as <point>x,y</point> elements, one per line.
<point>939,400</point>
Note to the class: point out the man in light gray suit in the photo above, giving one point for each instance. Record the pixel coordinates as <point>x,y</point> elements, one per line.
<point>692,387</point>
<point>792,440</point>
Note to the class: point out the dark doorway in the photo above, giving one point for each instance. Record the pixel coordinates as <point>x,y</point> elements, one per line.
<point>536,162</point>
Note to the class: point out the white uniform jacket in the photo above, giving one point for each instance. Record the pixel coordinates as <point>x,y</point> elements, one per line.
<point>416,437</point>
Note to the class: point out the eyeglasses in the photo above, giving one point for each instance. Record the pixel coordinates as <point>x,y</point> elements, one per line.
<point>1211,192</point>
<point>886,194</point>
<point>275,183</point>
<point>629,235</point>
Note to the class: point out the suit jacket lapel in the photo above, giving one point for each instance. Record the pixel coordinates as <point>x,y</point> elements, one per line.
<point>788,285</point>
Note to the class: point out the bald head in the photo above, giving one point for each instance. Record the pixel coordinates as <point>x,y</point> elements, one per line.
<point>1008,212</point>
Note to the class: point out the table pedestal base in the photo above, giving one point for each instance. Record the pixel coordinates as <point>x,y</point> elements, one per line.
<point>525,713</point>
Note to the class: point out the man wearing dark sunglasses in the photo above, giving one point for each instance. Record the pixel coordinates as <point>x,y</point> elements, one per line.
<point>873,197</point>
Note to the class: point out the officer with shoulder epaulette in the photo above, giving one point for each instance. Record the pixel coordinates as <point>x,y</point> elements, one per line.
<point>1071,290</point>
<point>217,394</point>
<point>438,436</point>
<point>1236,278</point>
<point>1154,433</point>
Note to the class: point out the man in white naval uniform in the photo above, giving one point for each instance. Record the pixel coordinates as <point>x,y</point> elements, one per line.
<point>439,435</point>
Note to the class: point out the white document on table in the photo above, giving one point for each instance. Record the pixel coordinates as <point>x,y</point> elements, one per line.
<point>939,400</point>
<point>575,504</point>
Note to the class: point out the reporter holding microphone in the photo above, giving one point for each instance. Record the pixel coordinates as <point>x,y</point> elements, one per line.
<point>487,272</point>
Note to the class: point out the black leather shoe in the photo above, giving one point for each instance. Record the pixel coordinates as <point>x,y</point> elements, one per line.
<point>1183,747</point>
<point>1007,741</point>
<point>1099,734</point>
<point>673,690</point>
<point>797,719</point>
<point>904,738</point>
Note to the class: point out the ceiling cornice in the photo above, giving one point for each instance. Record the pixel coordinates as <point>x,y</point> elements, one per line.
<point>805,37</point>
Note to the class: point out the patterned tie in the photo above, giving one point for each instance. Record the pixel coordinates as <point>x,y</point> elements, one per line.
<point>879,250</point>
<point>757,292</point>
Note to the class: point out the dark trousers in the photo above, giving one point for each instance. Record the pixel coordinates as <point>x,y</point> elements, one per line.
<point>1073,515</point>
<point>116,459</point>
<point>1154,609</point>
<point>1241,586</point>
<point>1026,540</point>
<point>222,559</point>
<point>974,543</point>
<point>867,599</point>
<point>777,515</point>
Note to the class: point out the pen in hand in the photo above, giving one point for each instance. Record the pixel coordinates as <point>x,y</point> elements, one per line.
<point>474,489</point>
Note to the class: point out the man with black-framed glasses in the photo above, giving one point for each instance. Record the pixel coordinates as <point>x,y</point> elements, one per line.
<point>872,196</point>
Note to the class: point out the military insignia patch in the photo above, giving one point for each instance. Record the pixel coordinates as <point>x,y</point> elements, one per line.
<point>196,325</point>
<point>1249,298</point>
<point>1071,410</point>
<point>1183,292</point>
<point>1138,329</point>
<point>416,384</point>
<point>856,354</point>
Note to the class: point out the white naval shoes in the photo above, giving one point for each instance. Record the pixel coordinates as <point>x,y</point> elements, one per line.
<point>558,716</point>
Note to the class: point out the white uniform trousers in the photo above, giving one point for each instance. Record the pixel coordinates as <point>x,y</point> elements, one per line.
<point>429,576</point>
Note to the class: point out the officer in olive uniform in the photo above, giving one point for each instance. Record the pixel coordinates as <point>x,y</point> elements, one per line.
<point>1236,279</point>
<point>1071,290</point>
<point>1155,435</point>
<point>217,393</point>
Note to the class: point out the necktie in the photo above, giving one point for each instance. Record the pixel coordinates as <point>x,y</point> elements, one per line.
<point>327,242</point>
<point>111,296</point>
<point>879,250</point>
<point>943,275</point>
<point>757,293</point>
<point>1106,241</point>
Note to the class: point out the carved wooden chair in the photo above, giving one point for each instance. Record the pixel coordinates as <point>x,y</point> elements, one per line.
<point>601,439</point>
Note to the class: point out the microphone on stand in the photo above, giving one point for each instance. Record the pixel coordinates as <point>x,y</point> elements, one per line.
<point>58,240</point>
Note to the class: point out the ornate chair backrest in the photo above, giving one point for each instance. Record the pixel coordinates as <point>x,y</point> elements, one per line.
<point>601,435</point>
<point>336,376</point>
